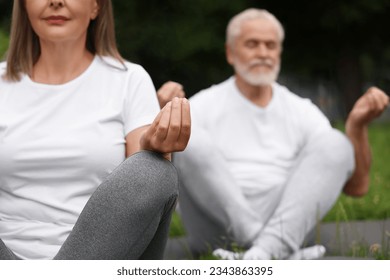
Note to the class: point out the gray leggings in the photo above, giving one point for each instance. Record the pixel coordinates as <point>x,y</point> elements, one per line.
<point>128,215</point>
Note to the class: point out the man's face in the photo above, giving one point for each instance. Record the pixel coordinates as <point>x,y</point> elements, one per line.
<point>255,53</point>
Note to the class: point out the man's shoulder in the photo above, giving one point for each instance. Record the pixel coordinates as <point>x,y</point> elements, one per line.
<point>281,89</point>
<point>290,97</point>
<point>306,112</point>
<point>216,91</point>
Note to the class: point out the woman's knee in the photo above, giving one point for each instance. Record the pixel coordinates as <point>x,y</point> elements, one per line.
<point>148,174</point>
<point>154,171</point>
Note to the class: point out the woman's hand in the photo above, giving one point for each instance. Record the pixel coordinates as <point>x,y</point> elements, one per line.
<point>170,130</point>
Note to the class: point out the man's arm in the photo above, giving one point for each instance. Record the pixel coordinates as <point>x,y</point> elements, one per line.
<point>367,108</point>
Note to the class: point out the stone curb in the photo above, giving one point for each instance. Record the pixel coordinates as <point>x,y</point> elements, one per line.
<point>342,240</point>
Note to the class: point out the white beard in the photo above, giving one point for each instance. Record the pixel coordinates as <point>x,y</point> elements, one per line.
<point>257,79</point>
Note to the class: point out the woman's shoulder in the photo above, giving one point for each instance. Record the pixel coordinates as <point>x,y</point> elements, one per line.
<point>116,66</point>
<point>128,72</point>
<point>3,68</point>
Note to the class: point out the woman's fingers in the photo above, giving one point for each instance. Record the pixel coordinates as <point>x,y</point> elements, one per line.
<point>180,125</point>
<point>170,131</point>
<point>162,128</point>
<point>175,123</point>
<point>185,131</point>
<point>149,138</point>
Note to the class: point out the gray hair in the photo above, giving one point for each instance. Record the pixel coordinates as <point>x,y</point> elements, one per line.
<point>234,27</point>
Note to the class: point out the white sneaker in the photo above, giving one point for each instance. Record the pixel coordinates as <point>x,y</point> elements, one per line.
<point>227,255</point>
<point>253,253</point>
<point>309,253</point>
<point>256,253</point>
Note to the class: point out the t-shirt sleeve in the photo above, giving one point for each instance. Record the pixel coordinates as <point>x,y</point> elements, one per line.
<point>141,104</point>
<point>313,121</point>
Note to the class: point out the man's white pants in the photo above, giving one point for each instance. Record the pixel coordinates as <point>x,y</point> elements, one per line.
<point>216,213</point>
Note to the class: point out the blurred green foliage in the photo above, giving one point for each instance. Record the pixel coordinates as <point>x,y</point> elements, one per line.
<point>3,43</point>
<point>343,42</point>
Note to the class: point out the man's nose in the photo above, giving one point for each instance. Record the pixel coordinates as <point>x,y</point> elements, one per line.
<point>262,50</point>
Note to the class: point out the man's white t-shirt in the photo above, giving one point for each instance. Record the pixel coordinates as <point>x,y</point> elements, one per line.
<point>57,144</point>
<point>260,145</point>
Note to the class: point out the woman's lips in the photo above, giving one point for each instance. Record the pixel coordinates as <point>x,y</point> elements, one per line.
<point>56,20</point>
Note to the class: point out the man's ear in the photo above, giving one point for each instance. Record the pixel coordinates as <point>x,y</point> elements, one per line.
<point>229,54</point>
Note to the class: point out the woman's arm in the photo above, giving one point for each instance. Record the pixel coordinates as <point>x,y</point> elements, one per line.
<point>368,107</point>
<point>169,132</point>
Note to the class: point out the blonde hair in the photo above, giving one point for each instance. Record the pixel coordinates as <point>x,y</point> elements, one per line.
<point>234,27</point>
<point>24,49</point>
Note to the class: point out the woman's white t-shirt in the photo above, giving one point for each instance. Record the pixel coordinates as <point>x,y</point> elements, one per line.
<point>57,144</point>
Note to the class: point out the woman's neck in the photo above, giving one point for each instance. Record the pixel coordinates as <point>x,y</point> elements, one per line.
<point>60,63</point>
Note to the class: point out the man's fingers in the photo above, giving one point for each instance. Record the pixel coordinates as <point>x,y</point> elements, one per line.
<point>380,98</point>
<point>176,90</point>
<point>384,99</point>
<point>168,91</point>
<point>370,101</point>
<point>176,86</point>
<point>374,102</point>
<point>170,87</point>
<point>180,93</point>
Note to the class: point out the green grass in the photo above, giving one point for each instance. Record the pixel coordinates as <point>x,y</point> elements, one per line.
<point>376,204</point>
<point>177,228</point>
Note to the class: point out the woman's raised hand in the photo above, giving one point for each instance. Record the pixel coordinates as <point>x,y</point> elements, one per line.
<point>170,130</point>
